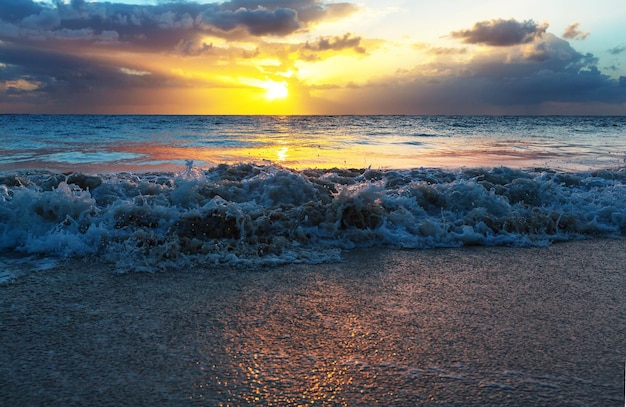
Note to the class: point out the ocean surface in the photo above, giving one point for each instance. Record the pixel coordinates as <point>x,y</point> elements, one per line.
<point>155,192</point>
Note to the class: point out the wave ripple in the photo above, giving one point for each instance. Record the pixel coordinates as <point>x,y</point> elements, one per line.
<point>259,215</point>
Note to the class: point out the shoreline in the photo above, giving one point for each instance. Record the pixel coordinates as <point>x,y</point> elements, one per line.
<point>474,325</point>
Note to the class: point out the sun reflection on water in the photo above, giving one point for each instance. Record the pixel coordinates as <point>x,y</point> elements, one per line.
<point>302,348</point>
<point>282,154</point>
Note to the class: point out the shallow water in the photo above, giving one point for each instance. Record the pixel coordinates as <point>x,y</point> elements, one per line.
<point>97,144</point>
<point>344,321</point>
<point>156,192</point>
<point>469,326</point>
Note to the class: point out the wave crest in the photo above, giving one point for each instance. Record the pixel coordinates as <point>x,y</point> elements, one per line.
<point>255,215</point>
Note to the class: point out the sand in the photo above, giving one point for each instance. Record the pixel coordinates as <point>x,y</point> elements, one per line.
<point>489,326</point>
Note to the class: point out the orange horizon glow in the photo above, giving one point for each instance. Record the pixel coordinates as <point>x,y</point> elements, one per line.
<point>307,57</point>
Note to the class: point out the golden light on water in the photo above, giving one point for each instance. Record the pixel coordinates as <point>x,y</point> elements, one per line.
<point>297,153</point>
<point>307,351</point>
<point>300,144</point>
<point>282,154</point>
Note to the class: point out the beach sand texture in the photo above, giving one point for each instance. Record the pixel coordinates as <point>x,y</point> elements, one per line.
<point>468,326</point>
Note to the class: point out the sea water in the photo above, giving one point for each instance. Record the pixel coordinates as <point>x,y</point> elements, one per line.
<point>159,192</point>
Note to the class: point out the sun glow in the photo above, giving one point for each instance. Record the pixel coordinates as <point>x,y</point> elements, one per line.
<point>275,90</point>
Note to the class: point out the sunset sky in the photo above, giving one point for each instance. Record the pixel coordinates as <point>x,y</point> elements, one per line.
<point>313,57</point>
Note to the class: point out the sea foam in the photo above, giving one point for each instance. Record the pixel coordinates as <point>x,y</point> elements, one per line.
<point>259,215</point>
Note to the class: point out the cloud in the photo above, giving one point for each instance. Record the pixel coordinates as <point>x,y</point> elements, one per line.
<point>15,10</point>
<point>573,33</point>
<point>161,26</point>
<point>446,51</point>
<point>82,56</point>
<point>73,51</point>
<point>309,11</point>
<point>337,43</point>
<point>501,33</point>
<point>19,85</point>
<point>136,72</point>
<point>194,47</point>
<point>617,50</point>
<point>258,22</point>
<point>523,79</point>
<point>68,81</point>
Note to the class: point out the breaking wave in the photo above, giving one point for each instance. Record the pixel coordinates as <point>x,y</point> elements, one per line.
<point>259,215</point>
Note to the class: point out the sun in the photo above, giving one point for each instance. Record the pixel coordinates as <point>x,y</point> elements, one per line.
<point>275,90</point>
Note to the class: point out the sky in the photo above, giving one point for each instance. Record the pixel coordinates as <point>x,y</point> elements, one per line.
<point>313,57</point>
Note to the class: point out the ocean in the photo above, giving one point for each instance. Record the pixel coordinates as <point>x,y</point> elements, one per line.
<point>341,261</point>
<point>109,144</point>
<point>157,192</point>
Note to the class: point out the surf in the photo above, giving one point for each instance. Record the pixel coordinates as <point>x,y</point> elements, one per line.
<point>256,215</point>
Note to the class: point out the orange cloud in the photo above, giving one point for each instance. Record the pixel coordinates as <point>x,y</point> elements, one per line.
<point>573,33</point>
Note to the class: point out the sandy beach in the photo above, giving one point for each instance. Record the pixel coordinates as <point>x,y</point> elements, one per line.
<point>469,326</point>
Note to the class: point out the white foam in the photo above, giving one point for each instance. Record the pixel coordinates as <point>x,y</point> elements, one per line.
<point>267,215</point>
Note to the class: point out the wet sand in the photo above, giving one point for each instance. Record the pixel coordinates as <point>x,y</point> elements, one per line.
<point>488,326</point>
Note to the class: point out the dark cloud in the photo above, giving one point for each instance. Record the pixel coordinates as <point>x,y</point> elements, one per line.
<point>147,26</point>
<point>68,81</point>
<point>514,80</point>
<point>550,71</point>
<point>194,47</point>
<point>60,53</point>
<point>16,10</point>
<point>337,43</point>
<point>501,33</point>
<point>572,32</point>
<point>43,63</point>
<point>309,11</point>
<point>617,50</point>
<point>262,21</point>
<point>163,25</point>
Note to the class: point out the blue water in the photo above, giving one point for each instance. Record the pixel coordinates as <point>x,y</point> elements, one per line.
<point>155,143</point>
<point>156,192</point>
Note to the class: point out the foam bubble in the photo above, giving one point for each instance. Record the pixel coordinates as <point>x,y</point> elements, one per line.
<point>253,215</point>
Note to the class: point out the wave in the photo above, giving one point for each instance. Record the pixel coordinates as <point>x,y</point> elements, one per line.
<point>260,215</point>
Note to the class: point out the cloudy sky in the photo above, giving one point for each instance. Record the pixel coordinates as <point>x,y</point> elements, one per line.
<point>313,57</point>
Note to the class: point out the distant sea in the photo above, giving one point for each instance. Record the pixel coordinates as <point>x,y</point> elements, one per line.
<point>154,192</point>
<point>107,144</point>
